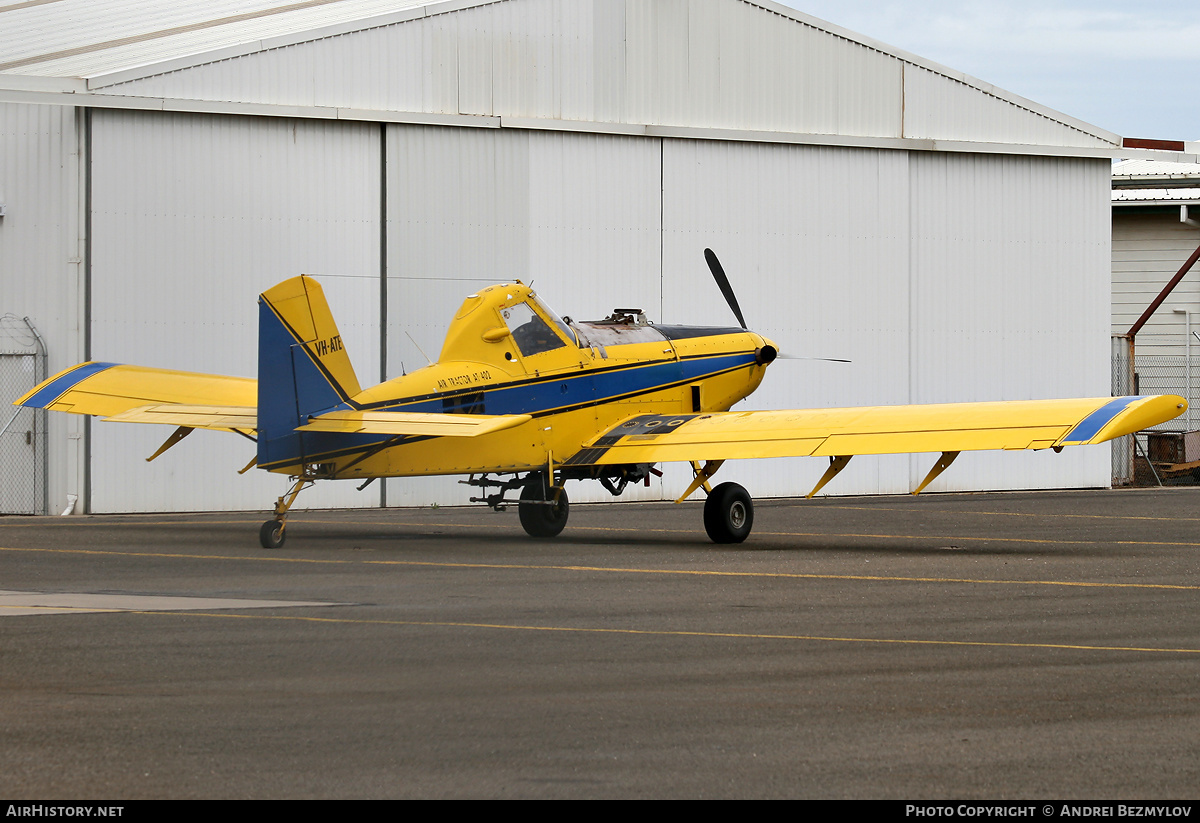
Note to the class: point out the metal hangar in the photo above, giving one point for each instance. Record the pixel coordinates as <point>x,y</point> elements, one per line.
<point>161,164</point>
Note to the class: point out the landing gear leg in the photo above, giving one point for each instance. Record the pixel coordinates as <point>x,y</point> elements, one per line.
<point>543,508</point>
<point>728,514</point>
<point>271,535</point>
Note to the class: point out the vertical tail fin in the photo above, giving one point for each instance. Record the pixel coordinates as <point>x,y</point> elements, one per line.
<point>303,367</point>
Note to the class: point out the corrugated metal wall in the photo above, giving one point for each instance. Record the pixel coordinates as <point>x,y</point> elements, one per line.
<point>1008,298</point>
<point>41,249</point>
<point>1149,246</point>
<point>192,217</point>
<point>932,272</point>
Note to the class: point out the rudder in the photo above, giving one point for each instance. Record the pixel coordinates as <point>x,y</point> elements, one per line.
<point>303,368</point>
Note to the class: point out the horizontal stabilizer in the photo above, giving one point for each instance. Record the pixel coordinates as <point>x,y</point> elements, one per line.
<point>225,418</point>
<point>413,423</point>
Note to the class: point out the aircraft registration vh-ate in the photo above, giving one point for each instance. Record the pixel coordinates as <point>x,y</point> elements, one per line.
<point>522,399</point>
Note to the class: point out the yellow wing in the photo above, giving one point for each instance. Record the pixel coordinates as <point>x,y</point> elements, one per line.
<point>948,427</point>
<point>137,394</point>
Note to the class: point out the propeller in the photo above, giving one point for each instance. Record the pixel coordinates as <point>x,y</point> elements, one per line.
<point>718,273</point>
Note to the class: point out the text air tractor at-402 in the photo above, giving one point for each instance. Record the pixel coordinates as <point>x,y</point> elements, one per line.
<point>522,400</point>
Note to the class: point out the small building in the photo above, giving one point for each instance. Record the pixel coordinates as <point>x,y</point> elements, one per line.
<point>1156,230</point>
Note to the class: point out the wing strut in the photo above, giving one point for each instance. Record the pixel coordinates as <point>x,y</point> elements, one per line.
<point>836,464</point>
<point>943,463</point>
<point>702,477</point>
<point>176,436</point>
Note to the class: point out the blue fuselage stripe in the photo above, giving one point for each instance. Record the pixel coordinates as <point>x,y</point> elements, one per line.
<point>64,383</point>
<point>568,390</point>
<point>1087,428</point>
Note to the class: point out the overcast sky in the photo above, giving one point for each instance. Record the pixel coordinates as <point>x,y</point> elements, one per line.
<point>1126,67</point>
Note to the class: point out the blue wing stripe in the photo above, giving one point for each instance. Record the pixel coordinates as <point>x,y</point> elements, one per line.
<point>64,383</point>
<point>1087,428</point>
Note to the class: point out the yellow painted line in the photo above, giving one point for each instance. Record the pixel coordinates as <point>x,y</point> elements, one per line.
<point>923,511</point>
<point>679,633</point>
<point>269,558</point>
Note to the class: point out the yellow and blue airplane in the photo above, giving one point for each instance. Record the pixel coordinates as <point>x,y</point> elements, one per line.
<point>523,399</point>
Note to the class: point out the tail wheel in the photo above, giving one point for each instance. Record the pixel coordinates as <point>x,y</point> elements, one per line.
<point>728,514</point>
<point>271,534</point>
<point>538,518</point>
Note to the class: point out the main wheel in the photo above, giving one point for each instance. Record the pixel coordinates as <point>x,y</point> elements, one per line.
<point>728,514</point>
<point>271,534</point>
<point>537,518</point>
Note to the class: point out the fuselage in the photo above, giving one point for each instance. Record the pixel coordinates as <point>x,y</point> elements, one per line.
<point>507,353</point>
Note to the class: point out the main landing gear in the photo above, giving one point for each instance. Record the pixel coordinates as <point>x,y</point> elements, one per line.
<point>728,511</point>
<point>543,508</point>
<point>542,505</point>
<point>728,514</point>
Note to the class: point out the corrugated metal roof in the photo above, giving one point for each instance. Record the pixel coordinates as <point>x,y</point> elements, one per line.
<point>1145,169</point>
<point>82,38</point>
<point>1149,196</point>
<point>1155,182</point>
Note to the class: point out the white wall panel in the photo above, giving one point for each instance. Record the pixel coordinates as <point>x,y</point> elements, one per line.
<point>192,217</point>
<point>41,250</point>
<point>944,278</point>
<point>1009,299</point>
<point>815,243</point>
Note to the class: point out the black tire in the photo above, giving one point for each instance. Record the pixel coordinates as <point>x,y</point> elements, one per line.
<point>271,534</point>
<point>728,514</point>
<point>538,519</point>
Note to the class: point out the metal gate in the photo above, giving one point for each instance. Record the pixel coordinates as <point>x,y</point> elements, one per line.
<point>22,431</point>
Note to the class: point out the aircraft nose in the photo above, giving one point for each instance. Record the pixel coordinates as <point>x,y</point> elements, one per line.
<point>766,353</point>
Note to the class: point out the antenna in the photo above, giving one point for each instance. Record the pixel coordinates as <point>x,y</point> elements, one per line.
<point>422,351</point>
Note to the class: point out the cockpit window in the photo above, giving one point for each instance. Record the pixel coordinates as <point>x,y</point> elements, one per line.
<point>530,332</point>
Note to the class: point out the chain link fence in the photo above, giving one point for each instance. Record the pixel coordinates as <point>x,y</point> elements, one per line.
<point>1152,370</point>
<point>22,431</point>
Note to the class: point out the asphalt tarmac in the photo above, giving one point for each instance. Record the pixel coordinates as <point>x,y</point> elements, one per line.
<point>992,646</point>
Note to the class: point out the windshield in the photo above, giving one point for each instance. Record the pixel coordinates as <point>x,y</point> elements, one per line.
<point>529,331</point>
<point>554,318</point>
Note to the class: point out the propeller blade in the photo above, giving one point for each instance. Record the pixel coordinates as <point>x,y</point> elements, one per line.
<point>718,274</point>
<point>782,356</point>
